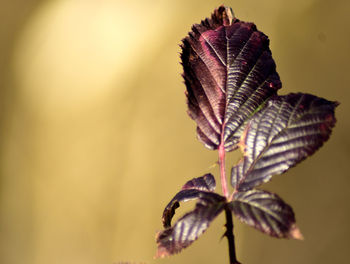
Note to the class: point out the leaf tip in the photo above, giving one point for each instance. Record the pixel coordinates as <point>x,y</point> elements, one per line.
<point>295,233</point>
<point>162,252</point>
<point>225,14</point>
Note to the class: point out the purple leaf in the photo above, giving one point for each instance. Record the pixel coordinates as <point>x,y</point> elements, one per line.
<point>189,227</point>
<point>288,130</point>
<point>191,190</point>
<point>266,212</point>
<point>229,73</point>
<point>204,183</point>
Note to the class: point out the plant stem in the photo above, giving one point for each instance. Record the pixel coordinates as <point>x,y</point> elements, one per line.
<point>228,213</point>
<point>230,237</point>
<point>222,169</point>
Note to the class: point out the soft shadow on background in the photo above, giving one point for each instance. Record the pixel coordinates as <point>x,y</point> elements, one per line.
<point>95,139</point>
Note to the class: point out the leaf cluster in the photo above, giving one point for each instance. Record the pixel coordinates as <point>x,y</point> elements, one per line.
<point>232,87</point>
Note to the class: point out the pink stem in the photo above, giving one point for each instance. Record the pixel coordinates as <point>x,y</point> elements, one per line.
<point>222,169</point>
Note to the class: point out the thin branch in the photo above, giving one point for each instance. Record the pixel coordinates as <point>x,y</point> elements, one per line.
<point>229,221</point>
<point>230,237</point>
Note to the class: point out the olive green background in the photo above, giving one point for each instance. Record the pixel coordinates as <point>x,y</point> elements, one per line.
<point>95,138</point>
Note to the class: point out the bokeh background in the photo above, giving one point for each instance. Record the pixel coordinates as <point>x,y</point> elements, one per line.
<point>95,138</point>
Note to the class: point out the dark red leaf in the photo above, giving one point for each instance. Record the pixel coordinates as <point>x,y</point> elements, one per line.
<point>229,73</point>
<point>266,212</point>
<point>191,190</point>
<point>288,130</point>
<point>189,227</point>
<point>204,183</point>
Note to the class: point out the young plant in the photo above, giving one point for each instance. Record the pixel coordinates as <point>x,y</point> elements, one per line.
<point>232,86</point>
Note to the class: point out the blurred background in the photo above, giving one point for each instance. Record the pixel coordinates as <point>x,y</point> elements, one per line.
<point>95,138</point>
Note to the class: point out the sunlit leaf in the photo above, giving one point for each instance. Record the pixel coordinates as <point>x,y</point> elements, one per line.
<point>191,190</point>
<point>204,183</point>
<point>229,73</point>
<point>289,129</point>
<point>189,227</point>
<point>266,212</point>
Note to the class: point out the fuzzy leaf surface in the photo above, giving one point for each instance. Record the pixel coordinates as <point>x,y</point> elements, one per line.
<point>229,73</point>
<point>266,212</point>
<point>189,227</point>
<point>288,130</point>
<point>191,190</point>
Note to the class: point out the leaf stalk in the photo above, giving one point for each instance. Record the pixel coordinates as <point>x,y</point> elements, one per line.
<point>222,169</point>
